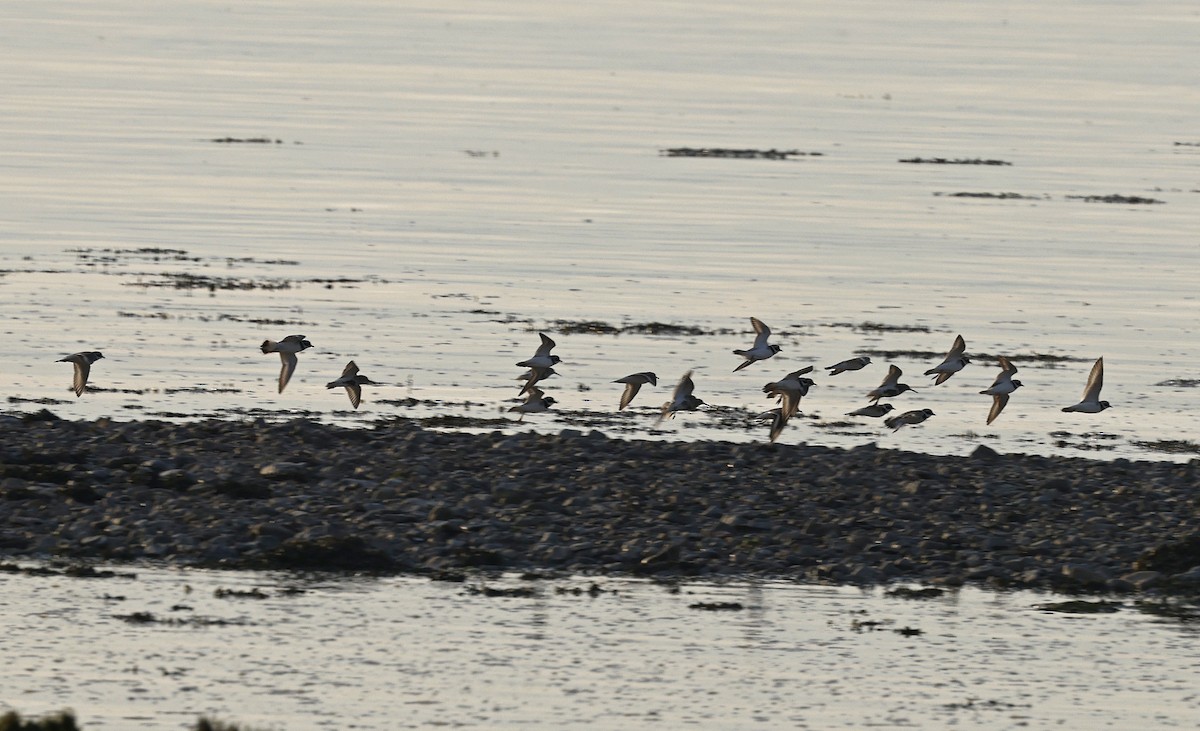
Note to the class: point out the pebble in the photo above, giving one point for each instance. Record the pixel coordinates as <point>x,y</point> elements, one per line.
<point>400,498</point>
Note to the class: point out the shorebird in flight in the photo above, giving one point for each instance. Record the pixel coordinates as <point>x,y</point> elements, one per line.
<point>954,362</point>
<point>83,368</point>
<point>353,383</point>
<point>1091,403</point>
<point>853,364</point>
<point>633,383</point>
<point>1001,388</point>
<point>287,349</point>
<point>761,350</point>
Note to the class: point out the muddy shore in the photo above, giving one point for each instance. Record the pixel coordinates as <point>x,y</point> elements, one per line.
<point>401,498</point>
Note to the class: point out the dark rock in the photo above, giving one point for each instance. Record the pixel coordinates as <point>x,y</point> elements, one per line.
<point>1171,558</point>
<point>175,479</point>
<point>81,493</point>
<point>40,415</point>
<point>984,453</point>
<point>1142,580</point>
<point>327,554</point>
<point>286,471</point>
<point>1058,484</point>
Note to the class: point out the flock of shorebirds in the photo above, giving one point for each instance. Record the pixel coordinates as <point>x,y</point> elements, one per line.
<point>787,391</point>
<point>287,348</point>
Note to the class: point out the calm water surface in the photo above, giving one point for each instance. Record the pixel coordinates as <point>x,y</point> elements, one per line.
<point>444,179</point>
<point>410,653</point>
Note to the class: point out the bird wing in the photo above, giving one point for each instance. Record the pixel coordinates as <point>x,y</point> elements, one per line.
<point>631,389</point>
<point>288,367</point>
<point>354,391</point>
<point>763,331</point>
<point>82,369</point>
<point>999,401</point>
<point>1095,381</point>
<point>790,403</point>
<point>546,346</point>
<point>536,373</point>
<point>684,389</point>
<point>779,420</point>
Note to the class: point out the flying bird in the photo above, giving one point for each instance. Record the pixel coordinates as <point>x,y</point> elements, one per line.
<point>1001,388</point>
<point>287,349</point>
<point>535,403</point>
<point>1091,403</point>
<point>874,411</point>
<point>853,364</point>
<point>353,383</point>
<point>954,362</point>
<point>533,375</point>
<point>682,399</point>
<point>542,358</point>
<point>891,386</point>
<point>790,389</point>
<point>907,418</point>
<point>761,350</point>
<point>778,418</point>
<point>633,383</point>
<point>83,367</point>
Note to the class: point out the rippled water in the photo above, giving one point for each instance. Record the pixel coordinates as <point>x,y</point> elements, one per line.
<point>442,180</point>
<point>410,653</point>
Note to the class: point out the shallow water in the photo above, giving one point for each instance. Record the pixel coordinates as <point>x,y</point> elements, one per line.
<point>445,179</point>
<point>411,653</point>
<point>441,181</point>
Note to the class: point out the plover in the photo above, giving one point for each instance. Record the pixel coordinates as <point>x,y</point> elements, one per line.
<point>907,418</point>
<point>891,386</point>
<point>535,403</point>
<point>353,383</point>
<point>83,367</point>
<point>287,349</point>
<point>1091,403</point>
<point>790,389</point>
<point>633,383</point>
<point>761,350</point>
<point>874,411</point>
<point>1001,388</point>
<point>954,362</point>
<point>682,399</point>
<point>778,418</point>
<point>853,364</point>
<point>542,358</point>
<point>533,376</point>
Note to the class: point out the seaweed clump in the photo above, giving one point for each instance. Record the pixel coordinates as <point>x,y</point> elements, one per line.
<point>328,554</point>
<point>62,721</point>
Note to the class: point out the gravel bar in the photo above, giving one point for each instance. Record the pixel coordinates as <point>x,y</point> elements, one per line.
<point>400,498</point>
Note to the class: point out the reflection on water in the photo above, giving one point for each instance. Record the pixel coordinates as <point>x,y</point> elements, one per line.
<point>281,652</point>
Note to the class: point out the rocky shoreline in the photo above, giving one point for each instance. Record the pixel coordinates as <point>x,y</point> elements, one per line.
<point>401,498</point>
